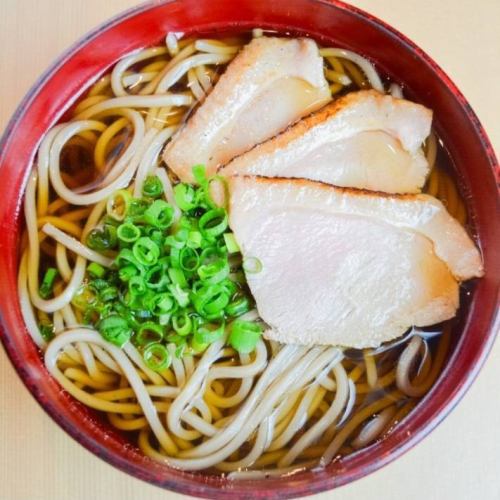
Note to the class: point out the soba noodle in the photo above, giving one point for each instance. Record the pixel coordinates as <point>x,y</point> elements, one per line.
<point>275,411</point>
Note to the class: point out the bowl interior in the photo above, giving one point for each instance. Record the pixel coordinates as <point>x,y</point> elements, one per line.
<point>331,23</point>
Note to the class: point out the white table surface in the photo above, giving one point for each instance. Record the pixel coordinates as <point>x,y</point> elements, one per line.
<point>460,460</point>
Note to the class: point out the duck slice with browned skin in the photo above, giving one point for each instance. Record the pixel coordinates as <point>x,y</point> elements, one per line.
<point>365,140</point>
<point>348,267</point>
<point>270,84</point>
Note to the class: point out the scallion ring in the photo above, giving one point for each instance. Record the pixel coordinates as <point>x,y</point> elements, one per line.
<point>157,357</point>
<point>214,272</point>
<point>238,306</point>
<point>189,259</point>
<point>137,285</point>
<point>152,187</point>
<point>185,197</point>
<point>118,204</point>
<point>115,329</point>
<point>128,232</point>
<point>159,214</point>
<point>208,333</point>
<point>103,238</point>
<point>148,333</point>
<point>156,278</point>
<point>244,335</point>
<point>182,323</point>
<point>177,276</point>
<point>213,223</point>
<point>252,265</point>
<point>164,303</point>
<point>96,270</point>
<point>146,251</point>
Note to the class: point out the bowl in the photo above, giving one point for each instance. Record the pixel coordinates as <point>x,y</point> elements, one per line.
<point>330,22</point>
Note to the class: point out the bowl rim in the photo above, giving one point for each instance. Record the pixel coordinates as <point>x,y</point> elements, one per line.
<point>210,491</point>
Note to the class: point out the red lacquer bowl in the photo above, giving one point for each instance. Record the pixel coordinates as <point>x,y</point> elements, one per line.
<point>332,23</point>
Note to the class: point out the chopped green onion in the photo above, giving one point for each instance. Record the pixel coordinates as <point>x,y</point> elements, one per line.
<point>231,244</point>
<point>175,339</point>
<point>96,270</point>
<point>137,285</point>
<point>182,233</point>
<point>194,239</point>
<point>175,257</point>
<point>200,174</point>
<point>179,351</point>
<point>118,204</point>
<point>133,302</point>
<point>164,304</point>
<point>145,304</point>
<point>48,283</point>
<point>122,310</point>
<point>143,313</point>
<point>83,298</point>
<point>169,283</point>
<point>209,254</point>
<point>213,223</point>
<point>196,346</point>
<point>115,329</point>
<point>148,333</point>
<point>182,323</point>
<point>220,244</point>
<point>180,295</point>
<point>201,198</point>
<point>157,236</point>
<point>152,187</point>
<point>208,333</point>
<point>164,262</point>
<point>185,197</point>
<point>229,287</point>
<point>125,273</point>
<point>109,293</point>
<point>159,214</point>
<point>164,319</point>
<point>98,283</point>
<point>107,220</point>
<point>210,301</point>
<point>244,335</point>
<point>177,276</point>
<point>252,265</point>
<point>216,192</point>
<point>189,259</point>
<point>102,239</point>
<point>156,357</point>
<point>238,307</point>
<point>46,331</point>
<point>146,251</point>
<point>137,207</point>
<point>128,232</point>
<point>156,278</point>
<point>126,258</point>
<point>176,241</point>
<point>214,272</point>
